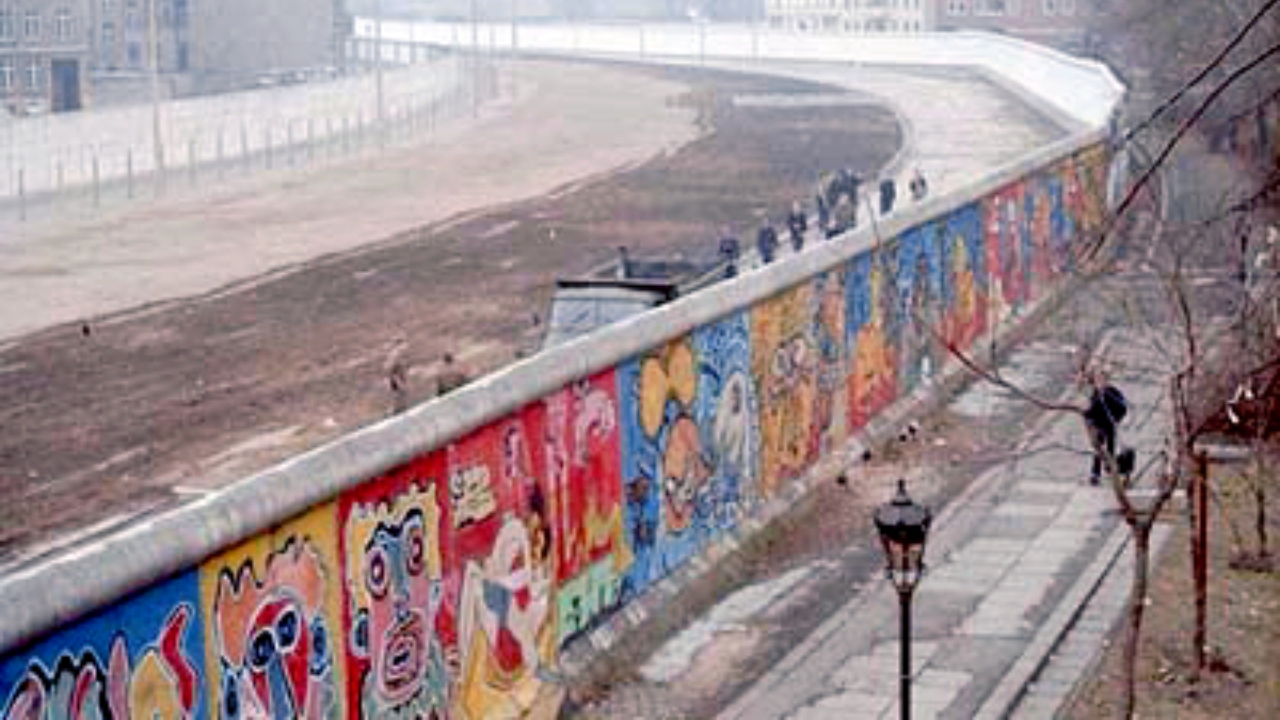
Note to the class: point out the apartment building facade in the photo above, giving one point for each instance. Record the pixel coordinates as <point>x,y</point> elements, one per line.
<point>205,46</point>
<point>852,16</point>
<point>1060,23</point>
<point>44,53</point>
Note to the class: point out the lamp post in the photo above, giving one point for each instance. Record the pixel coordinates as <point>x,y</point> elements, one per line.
<point>903,527</point>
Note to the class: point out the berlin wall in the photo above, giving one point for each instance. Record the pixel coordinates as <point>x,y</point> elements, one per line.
<point>444,560</point>
<point>51,153</point>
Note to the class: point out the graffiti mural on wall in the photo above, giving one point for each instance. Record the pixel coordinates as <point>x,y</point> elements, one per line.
<point>1085,180</point>
<point>785,361</point>
<point>272,608</point>
<point>690,446</point>
<point>446,587</point>
<point>397,624</point>
<point>919,291</point>
<point>499,570</point>
<point>583,459</point>
<point>1004,222</point>
<point>140,659</point>
<point>964,278</point>
<point>871,337</point>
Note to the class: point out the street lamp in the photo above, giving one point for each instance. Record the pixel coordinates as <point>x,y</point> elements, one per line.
<point>903,527</point>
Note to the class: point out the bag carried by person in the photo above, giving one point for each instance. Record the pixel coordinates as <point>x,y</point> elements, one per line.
<point>1114,402</point>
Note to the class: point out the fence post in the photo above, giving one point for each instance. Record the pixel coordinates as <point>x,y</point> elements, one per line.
<point>244,147</point>
<point>22,194</point>
<point>129,172</point>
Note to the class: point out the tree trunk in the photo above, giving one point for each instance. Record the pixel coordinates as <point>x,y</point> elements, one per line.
<point>1141,532</point>
<point>1200,554</point>
<point>1260,500</point>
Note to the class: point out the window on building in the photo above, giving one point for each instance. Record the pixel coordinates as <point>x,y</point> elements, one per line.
<point>957,7</point>
<point>992,7</point>
<point>6,73</point>
<point>184,56</point>
<point>108,44</point>
<point>35,75</point>
<point>135,55</point>
<point>6,24</point>
<point>1050,7</point>
<point>64,26</point>
<point>31,24</point>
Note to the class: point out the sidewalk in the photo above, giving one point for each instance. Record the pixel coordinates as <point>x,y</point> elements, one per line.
<point>1010,561</point>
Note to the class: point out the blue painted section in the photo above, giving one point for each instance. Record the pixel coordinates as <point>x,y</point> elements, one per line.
<point>695,477</point>
<point>919,291</point>
<point>73,673</point>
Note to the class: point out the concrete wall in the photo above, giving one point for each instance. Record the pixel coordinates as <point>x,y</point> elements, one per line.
<point>445,558</point>
<point>1079,91</point>
<point>511,518</point>
<point>54,152</point>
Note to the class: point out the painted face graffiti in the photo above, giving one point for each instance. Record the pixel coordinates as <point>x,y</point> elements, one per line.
<point>273,639</point>
<point>684,473</point>
<point>394,581</point>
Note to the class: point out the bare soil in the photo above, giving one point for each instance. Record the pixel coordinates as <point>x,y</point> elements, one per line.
<point>1243,678</point>
<point>113,417</point>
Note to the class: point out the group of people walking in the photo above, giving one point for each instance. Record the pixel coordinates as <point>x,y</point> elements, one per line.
<point>836,205</point>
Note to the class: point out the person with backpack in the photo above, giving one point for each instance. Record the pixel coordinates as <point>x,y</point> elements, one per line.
<point>1107,407</point>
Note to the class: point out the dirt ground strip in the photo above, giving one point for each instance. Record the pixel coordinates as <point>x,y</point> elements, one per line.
<point>1243,680</point>
<point>134,412</point>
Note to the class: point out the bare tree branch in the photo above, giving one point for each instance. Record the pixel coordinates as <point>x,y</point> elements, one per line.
<point>1091,251</point>
<point>1204,72</point>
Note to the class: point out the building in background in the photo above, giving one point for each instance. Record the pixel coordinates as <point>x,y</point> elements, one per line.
<point>1059,23</point>
<point>44,53</point>
<point>239,42</point>
<point>854,16</point>
<point>207,46</point>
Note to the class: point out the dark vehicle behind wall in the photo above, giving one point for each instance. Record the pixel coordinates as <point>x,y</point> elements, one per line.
<point>622,288</point>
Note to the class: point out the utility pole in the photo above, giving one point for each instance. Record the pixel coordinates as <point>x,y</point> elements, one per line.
<point>377,49</point>
<point>514,46</point>
<point>153,38</point>
<point>20,59</point>
<point>475,62</point>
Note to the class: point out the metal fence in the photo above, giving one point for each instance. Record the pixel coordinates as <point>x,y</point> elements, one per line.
<point>83,161</point>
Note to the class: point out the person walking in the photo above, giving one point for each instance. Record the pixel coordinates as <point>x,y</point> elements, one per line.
<point>1107,407</point>
<point>450,377</point>
<point>396,369</point>
<point>797,224</point>
<point>730,251</point>
<point>888,194</point>
<point>918,186</point>
<point>766,241</point>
